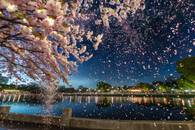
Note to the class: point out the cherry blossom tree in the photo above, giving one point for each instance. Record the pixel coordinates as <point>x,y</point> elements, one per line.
<point>41,38</point>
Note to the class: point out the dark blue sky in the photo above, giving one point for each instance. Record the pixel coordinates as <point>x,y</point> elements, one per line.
<point>144,48</point>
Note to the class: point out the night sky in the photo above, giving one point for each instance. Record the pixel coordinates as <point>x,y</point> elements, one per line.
<point>144,48</point>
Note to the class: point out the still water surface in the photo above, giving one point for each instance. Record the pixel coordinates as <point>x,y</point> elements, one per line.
<point>123,108</point>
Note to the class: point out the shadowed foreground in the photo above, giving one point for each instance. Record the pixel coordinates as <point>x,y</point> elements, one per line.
<point>68,122</point>
<point>6,125</point>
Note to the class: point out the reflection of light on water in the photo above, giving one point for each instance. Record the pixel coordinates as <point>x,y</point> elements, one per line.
<point>63,98</point>
<point>128,99</point>
<point>79,99</point>
<point>89,99</point>
<point>189,103</point>
<point>14,98</point>
<point>152,99</point>
<point>145,100</point>
<point>96,99</point>
<point>192,100</point>
<point>165,101</point>
<point>4,98</point>
<point>9,99</point>
<point>139,100</point>
<point>183,102</point>
<point>18,98</point>
<point>112,100</point>
<point>70,100</point>
<point>139,105</point>
<point>66,98</point>
<point>120,99</point>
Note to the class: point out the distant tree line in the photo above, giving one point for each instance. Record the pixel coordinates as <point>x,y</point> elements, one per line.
<point>186,81</point>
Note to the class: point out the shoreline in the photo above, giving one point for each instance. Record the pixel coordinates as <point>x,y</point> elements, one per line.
<point>108,94</point>
<point>130,94</point>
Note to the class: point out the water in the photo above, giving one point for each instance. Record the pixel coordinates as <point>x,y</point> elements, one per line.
<point>123,108</point>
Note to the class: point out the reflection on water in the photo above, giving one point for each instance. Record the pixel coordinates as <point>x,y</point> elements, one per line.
<point>134,108</point>
<point>103,103</point>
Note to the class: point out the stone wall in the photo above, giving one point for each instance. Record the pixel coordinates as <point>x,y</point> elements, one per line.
<point>131,125</point>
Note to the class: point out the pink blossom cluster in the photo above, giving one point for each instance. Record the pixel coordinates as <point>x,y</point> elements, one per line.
<point>40,37</point>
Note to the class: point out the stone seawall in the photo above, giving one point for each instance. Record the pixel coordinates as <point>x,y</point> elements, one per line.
<point>66,120</point>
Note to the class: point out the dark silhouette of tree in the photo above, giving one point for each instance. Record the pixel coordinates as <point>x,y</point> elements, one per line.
<point>171,83</point>
<point>103,103</point>
<point>103,86</point>
<point>186,68</point>
<point>145,86</point>
<point>81,88</point>
<point>125,87</point>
